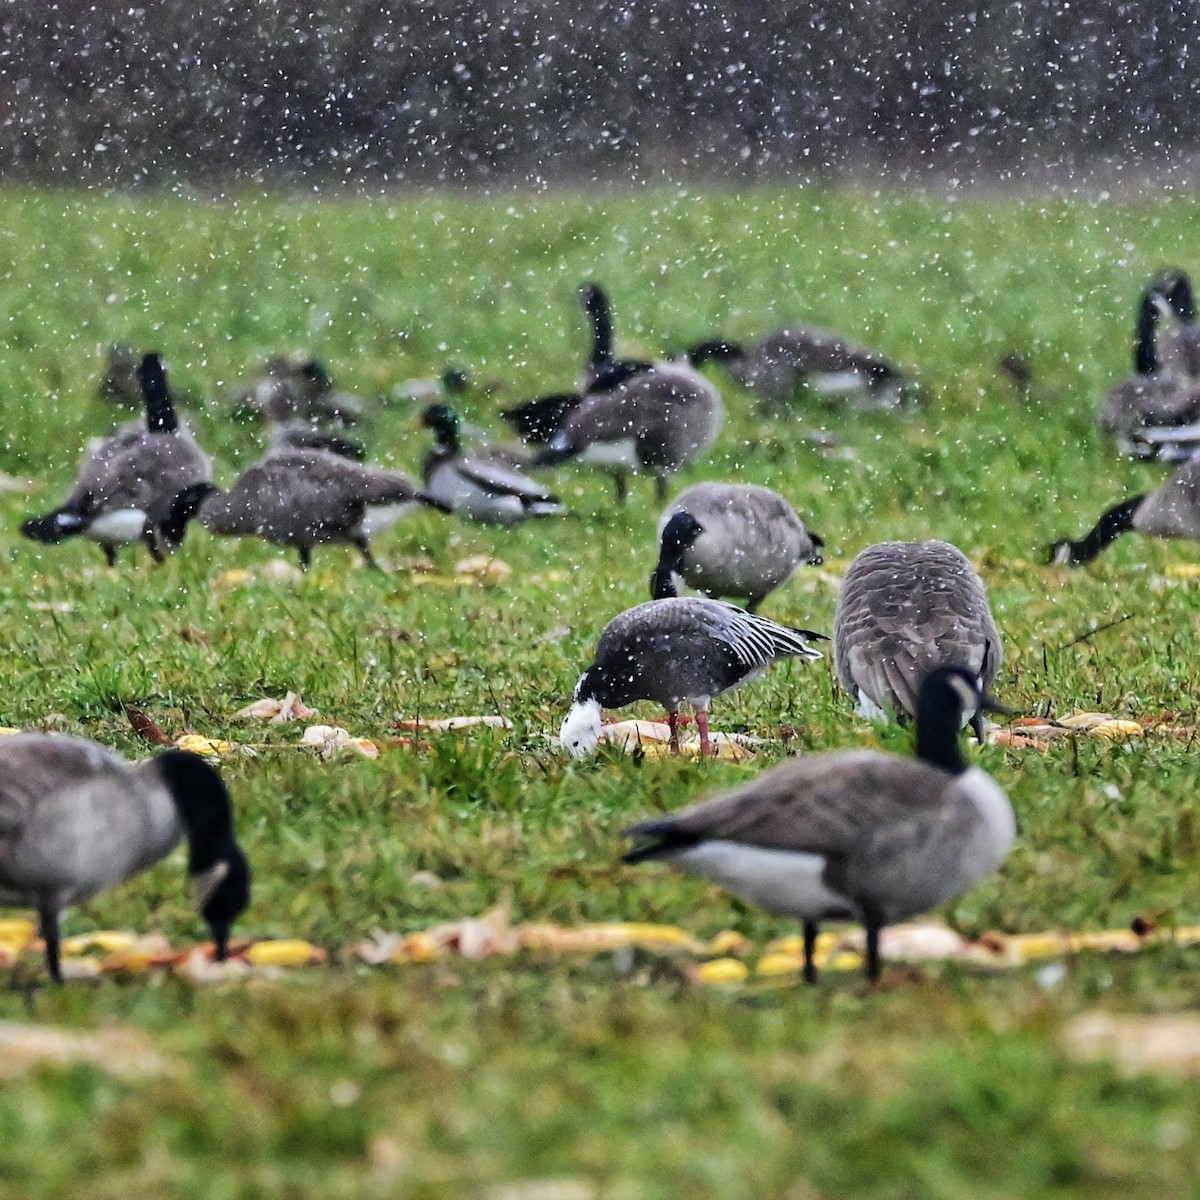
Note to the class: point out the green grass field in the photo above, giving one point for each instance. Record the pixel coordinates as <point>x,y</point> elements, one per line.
<point>578,1079</point>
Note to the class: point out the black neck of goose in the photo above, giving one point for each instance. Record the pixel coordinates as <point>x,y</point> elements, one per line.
<point>1182,300</point>
<point>714,350</point>
<point>1145,345</point>
<point>938,727</point>
<point>595,303</point>
<point>185,507</point>
<point>1116,521</point>
<point>160,411</point>
<point>662,582</point>
<point>444,424</point>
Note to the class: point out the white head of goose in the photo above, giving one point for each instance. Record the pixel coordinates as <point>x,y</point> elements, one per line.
<point>129,485</point>
<point>1171,511</point>
<point>906,608</point>
<point>76,818</point>
<point>731,539</point>
<point>782,363</point>
<point>852,835</point>
<point>476,486</point>
<point>672,651</point>
<point>307,498</point>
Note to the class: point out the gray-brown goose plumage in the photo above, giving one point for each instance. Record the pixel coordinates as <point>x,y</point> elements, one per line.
<point>1163,393</point>
<point>1171,511</point>
<point>132,485</point>
<point>779,365</point>
<point>672,651</point>
<point>730,539</point>
<point>852,835</point>
<point>296,388</point>
<point>656,422</point>
<point>75,818</point>
<point>306,498</point>
<point>906,608</point>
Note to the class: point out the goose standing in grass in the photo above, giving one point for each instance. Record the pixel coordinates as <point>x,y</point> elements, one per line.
<point>536,421</point>
<point>297,387</point>
<point>906,608</point>
<point>672,651</point>
<point>856,834</point>
<point>731,539</point>
<point>778,366</point>
<point>1164,391</point>
<point>1171,511</point>
<point>656,423</point>
<point>474,486</point>
<point>134,485</point>
<point>76,818</point>
<point>307,498</point>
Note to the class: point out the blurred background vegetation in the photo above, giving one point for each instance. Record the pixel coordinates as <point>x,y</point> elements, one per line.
<point>358,93</point>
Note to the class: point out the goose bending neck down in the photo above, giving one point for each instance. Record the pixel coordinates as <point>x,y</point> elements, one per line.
<point>672,652</point>
<point>75,818</point>
<point>852,835</point>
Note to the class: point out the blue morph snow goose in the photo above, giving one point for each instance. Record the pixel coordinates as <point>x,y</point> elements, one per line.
<point>75,819</point>
<point>906,608</point>
<point>731,539</point>
<point>672,651</point>
<point>854,834</point>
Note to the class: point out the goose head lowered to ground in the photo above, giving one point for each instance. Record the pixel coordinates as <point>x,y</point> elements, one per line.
<point>904,609</point>
<point>672,651</point>
<point>731,539</point>
<point>852,834</point>
<point>75,818</point>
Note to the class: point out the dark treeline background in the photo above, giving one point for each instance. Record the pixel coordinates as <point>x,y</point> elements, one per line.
<point>429,91</point>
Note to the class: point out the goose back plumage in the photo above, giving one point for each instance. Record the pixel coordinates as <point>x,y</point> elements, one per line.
<point>750,540</point>
<point>904,609</point>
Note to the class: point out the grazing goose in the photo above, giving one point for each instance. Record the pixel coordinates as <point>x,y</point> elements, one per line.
<point>119,383</point>
<point>673,651</point>
<point>132,485</point>
<point>1171,511</point>
<point>853,834</point>
<point>1164,391</point>
<point>730,539</point>
<point>656,422</point>
<point>75,818</point>
<point>780,364</point>
<point>307,435</point>
<point>906,608</point>
<point>481,488</point>
<point>306,498</point>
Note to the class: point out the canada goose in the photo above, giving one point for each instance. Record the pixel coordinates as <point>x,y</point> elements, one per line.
<point>480,488</point>
<point>1164,391</point>
<point>76,818</point>
<point>119,383</point>
<point>674,650</point>
<point>297,387</point>
<point>906,608</point>
<point>1171,511</point>
<point>656,422</point>
<point>731,539</point>
<point>130,484</point>
<point>306,498</point>
<point>776,367</point>
<point>536,421</point>
<point>853,834</point>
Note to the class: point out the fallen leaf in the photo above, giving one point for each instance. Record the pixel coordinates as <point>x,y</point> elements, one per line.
<point>720,971</point>
<point>144,727</point>
<point>446,723</point>
<point>482,568</point>
<point>277,712</point>
<point>197,743</point>
<point>120,1052</point>
<point>1167,1044</point>
<point>329,739</point>
<point>286,952</point>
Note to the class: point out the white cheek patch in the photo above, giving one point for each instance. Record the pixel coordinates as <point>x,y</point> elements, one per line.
<point>205,883</point>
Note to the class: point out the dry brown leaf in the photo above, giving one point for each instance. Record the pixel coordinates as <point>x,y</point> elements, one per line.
<point>330,739</point>
<point>144,727</point>
<point>1167,1044</point>
<point>120,1052</point>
